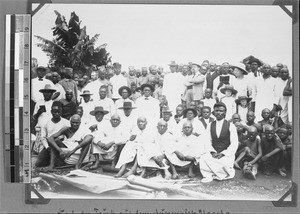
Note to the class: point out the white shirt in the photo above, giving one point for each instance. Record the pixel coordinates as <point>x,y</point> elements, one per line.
<point>108,105</point>
<point>50,128</point>
<point>117,82</point>
<point>87,108</point>
<point>44,117</point>
<point>36,85</point>
<point>149,108</point>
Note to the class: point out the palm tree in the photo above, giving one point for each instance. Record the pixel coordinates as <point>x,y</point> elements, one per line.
<point>72,47</point>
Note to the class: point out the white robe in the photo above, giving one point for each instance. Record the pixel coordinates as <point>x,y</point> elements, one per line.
<point>173,88</point>
<point>222,168</point>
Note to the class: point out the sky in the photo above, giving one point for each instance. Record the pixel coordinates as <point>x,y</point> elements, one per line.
<point>144,35</point>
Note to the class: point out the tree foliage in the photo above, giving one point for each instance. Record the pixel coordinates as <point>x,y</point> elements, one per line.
<point>72,47</point>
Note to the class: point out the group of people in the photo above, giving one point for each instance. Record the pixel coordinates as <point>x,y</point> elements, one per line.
<point>206,117</point>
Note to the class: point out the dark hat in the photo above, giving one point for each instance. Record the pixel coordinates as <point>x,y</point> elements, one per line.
<point>228,87</point>
<point>166,109</point>
<point>127,105</point>
<point>255,60</point>
<point>86,93</point>
<point>45,69</point>
<point>125,87</point>
<point>240,67</point>
<point>147,85</point>
<point>98,109</point>
<point>47,88</point>
<point>190,109</point>
<point>117,65</point>
<point>238,100</point>
<point>219,104</point>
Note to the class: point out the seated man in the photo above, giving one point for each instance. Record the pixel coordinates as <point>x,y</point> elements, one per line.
<point>52,126</point>
<point>271,147</point>
<point>286,156</point>
<point>250,154</point>
<point>128,116</point>
<point>74,149</point>
<point>134,150</point>
<point>109,141</point>
<point>218,162</point>
<point>187,150</point>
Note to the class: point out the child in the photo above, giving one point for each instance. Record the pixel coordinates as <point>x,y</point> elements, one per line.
<point>242,132</point>
<point>286,158</point>
<point>250,154</point>
<point>205,119</point>
<point>229,100</point>
<point>208,100</point>
<point>243,106</point>
<point>271,147</point>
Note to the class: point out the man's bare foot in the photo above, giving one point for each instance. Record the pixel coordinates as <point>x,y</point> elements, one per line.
<point>118,175</point>
<point>127,174</point>
<point>191,174</point>
<point>95,165</point>
<point>168,175</point>
<point>175,176</point>
<point>144,173</point>
<point>48,169</point>
<point>282,173</point>
<point>237,166</point>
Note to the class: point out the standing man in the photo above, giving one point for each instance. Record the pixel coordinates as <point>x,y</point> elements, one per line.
<point>173,86</point>
<point>148,106</point>
<point>106,102</point>
<point>117,81</point>
<point>221,147</point>
<point>69,84</point>
<point>39,83</point>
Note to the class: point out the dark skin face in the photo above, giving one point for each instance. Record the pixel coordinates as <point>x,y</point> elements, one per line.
<point>236,118</point>
<point>275,72</point>
<point>250,117</point>
<point>127,111</point>
<point>69,95</point>
<point>47,95</point>
<point>40,73</point>
<point>86,98</point>
<point>266,114</point>
<point>56,113</point>
<point>190,115</point>
<point>252,133</point>
<point>55,78</point>
<point>253,66</point>
<point>206,113</point>
<point>208,93</point>
<point>141,123</point>
<point>162,127</point>
<point>270,133</point>
<point>219,112</point>
<point>99,116</point>
<point>166,116</point>
<point>115,121</point>
<point>266,70</point>
<point>282,134</point>
<point>102,75</point>
<point>284,73</point>
<point>179,111</point>
<point>75,122</point>
<point>102,93</point>
<point>79,112</point>
<point>125,94</point>
<point>187,129</point>
<point>147,91</point>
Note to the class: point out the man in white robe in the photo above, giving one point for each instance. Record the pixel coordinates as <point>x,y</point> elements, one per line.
<point>218,161</point>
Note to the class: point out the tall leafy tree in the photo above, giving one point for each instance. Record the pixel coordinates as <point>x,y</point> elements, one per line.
<point>72,47</point>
